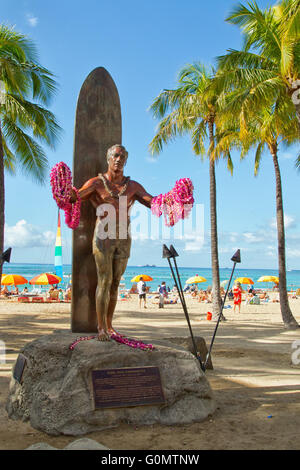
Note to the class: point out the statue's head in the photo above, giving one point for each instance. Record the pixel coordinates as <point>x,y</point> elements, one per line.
<point>117,156</point>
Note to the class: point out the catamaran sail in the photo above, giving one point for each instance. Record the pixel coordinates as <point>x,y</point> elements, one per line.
<point>58,251</point>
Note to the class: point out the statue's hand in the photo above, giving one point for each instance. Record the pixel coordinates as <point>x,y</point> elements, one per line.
<point>73,197</point>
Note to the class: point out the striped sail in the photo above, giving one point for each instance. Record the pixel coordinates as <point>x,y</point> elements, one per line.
<point>58,251</point>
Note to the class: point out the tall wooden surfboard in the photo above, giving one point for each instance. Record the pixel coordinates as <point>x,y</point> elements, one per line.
<point>98,126</point>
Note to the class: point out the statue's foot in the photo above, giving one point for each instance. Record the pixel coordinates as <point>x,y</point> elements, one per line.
<point>103,335</point>
<point>112,331</point>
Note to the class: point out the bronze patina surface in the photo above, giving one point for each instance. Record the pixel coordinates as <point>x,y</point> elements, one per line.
<point>132,386</point>
<point>98,126</point>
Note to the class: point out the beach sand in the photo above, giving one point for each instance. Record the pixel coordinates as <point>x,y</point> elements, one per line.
<point>255,383</point>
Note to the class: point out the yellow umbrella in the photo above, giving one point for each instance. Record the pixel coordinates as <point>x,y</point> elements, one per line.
<point>45,279</point>
<point>195,279</point>
<point>13,279</point>
<point>144,276</point>
<point>268,279</point>
<point>244,280</point>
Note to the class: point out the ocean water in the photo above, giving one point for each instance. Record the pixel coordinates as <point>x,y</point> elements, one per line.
<point>159,274</point>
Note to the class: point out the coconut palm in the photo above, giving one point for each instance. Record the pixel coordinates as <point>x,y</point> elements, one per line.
<point>190,113</point>
<point>269,61</point>
<point>25,87</point>
<point>270,129</point>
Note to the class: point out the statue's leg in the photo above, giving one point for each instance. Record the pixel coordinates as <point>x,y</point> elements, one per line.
<point>119,266</point>
<point>121,255</point>
<point>104,265</point>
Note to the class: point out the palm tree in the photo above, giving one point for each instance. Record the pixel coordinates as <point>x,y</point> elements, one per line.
<point>190,113</point>
<point>269,61</point>
<point>270,128</point>
<point>23,121</point>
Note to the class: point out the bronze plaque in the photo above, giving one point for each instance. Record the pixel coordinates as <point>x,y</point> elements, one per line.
<point>134,386</point>
<point>19,368</point>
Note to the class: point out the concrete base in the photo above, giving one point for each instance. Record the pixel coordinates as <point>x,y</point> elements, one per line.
<point>56,393</point>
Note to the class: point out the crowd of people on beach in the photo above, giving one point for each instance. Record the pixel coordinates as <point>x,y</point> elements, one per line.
<point>162,296</point>
<point>54,293</point>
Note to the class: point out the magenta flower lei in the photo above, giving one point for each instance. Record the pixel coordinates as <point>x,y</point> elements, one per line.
<point>132,343</point>
<point>61,183</point>
<point>176,204</point>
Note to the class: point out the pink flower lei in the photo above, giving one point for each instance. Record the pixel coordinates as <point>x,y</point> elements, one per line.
<point>61,184</point>
<point>176,204</point>
<point>131,342</point>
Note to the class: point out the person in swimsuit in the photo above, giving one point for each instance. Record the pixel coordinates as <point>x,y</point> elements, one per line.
<point>111,241</point>
<point>237,296</point>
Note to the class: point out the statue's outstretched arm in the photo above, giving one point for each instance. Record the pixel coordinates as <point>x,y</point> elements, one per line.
<point>85,192</point>
<point>142,196</point>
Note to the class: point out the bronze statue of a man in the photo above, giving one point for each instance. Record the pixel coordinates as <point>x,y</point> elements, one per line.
<point>111,252</point>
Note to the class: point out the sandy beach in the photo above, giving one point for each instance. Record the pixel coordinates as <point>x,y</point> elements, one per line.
<point>255,383</point>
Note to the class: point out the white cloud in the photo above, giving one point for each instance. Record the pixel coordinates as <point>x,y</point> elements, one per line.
<point>32,20</point>
<point>152,159</point>
<point>289,222</point>
<point>251,237</point>
<point>24,235</point>
<point>293,253</point>
<point>287,155</point>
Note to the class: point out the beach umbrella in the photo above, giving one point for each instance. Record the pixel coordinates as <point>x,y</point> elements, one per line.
<point>268,279</point>
<point>244,280</point>
<point>195,279</point>
<point>13,279</point>
<point>144,276</point>
<point>45,279</point>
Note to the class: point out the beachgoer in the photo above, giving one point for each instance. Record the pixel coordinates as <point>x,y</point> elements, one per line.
<point>111,252</point>
<point>255,300</point>
<point>5,291</point>
<point>208,297</point>
<point>201,296</point>
<point>68,294</point>
<point>133,289</point>
<point>60,295</point>
<point>162,294</point>
<point>25,290</point>
<point>141,288</point>
<point>237,296</point>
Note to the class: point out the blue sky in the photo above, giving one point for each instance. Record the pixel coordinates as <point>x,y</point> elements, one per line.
<point>143,45</point>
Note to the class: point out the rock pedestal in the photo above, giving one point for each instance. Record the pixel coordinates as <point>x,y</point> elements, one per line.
<point>56,393</point>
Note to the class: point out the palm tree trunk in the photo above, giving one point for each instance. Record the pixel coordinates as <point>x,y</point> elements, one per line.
<point>216,295</point>
<point>2,200</point>
<point>287,316</point>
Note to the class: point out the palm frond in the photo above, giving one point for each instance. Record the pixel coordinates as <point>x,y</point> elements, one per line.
<point>30,156</point>
<point>9,158</point>
<point>31,116</point>
<point>199,136</point>
<point>258,155</point>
